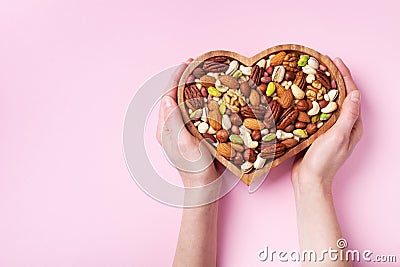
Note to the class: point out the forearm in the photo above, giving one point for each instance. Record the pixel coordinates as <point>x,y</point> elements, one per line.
<point>318,226</point>
<point>197,242</point>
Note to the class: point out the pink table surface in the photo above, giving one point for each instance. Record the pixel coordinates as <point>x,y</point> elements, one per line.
<point>68,70</point>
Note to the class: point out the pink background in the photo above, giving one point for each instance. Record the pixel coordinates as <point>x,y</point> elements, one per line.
<point>68,70</point>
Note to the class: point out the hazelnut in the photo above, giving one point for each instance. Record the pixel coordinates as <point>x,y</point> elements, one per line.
<point>311,128</point>
<point>289,76</point>
<point>222,135</point>
<point>289,128</point>
<point>235,119</point>
<point>262,87</point>
<point>249,155</point>
<point>302,105</point>
<point>322,103</point>
<point>256,135</point>
<point>300,125</point>
<point>238,159</point>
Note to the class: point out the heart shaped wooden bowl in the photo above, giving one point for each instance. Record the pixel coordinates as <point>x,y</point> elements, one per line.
<point>247,178</point>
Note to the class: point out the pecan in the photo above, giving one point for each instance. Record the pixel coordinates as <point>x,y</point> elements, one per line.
<point>290,62</point>
<point>193,97</point>
<point>256,74</point>
<point>215,64</point>
<point>271,150</point>
<point>300,80</point>
<point>289,116</point>
<point>253,112</point>
<point>322,78</point>
<point>276,109</point>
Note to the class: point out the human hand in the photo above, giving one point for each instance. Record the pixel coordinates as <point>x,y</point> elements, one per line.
<point>175,138</point>
<point>329,151</point>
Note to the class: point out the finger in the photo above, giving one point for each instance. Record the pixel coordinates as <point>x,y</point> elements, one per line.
<point>344,70</point>
<point>356,133</point>
<point>349,114</point>
<point>172,119</point>
<point>160,124</point>
<point>175,77</point>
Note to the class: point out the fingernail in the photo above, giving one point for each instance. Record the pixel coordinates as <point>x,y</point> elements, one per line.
<point>355,96</point>
<point>189,60</point>
<point>167,101</point>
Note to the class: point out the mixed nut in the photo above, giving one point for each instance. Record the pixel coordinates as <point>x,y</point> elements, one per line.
<point>255,114</point>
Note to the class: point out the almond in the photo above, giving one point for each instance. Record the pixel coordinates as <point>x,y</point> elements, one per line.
<point>229,81</point>
<point>225,150</point>
<point>303,117</point>
<point>245,89</point>
<point>207,80</point>
<point>214,115</point>
<point>254,98</point>
<point>253,124</point>
<point>286,99</point>
<point>279,89</point>
<point>288,143</point>
<point>278,59</point>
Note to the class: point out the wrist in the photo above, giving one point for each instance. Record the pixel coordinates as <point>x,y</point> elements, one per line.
<point>313,186</point>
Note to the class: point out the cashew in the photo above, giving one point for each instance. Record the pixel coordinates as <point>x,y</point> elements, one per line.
<point>246,167</point>
<point>315,109</point>
<point>333,94</point>
<point>245,70</point>
<point>331,107</point>
<point>253,144</point>
<point>282,135</point>
<point>309,70</point>
<point>326,97</point>
<point>264,131</point>
<point>319,125</point>
<point>260,162</point>
<point>204,115</point>
<point>297,92</point>
<point>202,127</point>
<point>213,74</point>
<point>196,123</point>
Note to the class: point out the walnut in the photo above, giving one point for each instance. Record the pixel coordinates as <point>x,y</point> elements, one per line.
<point>290,62</point>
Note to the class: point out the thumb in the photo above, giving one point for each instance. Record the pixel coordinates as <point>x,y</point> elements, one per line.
<point>350,112</point>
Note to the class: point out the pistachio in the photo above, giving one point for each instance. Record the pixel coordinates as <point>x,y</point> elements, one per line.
<point>314,118</point>
<point>313,63</point>
<point>314,110</point>
<point>270,89</point>
<point>297,92</point>
<point>246,167</point>
<point>213,92</point>
<point>220,87</point>
<point>195,115</point>
<point>300,133</point>
<point>236,139</point>
<point>331,107</point>
<point>222,108</point>
<point>269,137</point>
<point>237,74</point>
<point>324,116</point>
<point>303,60</point>
<point>333,94</point>
<point>233,66</point>
<point>278,74</point>
<point>245,70</point>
